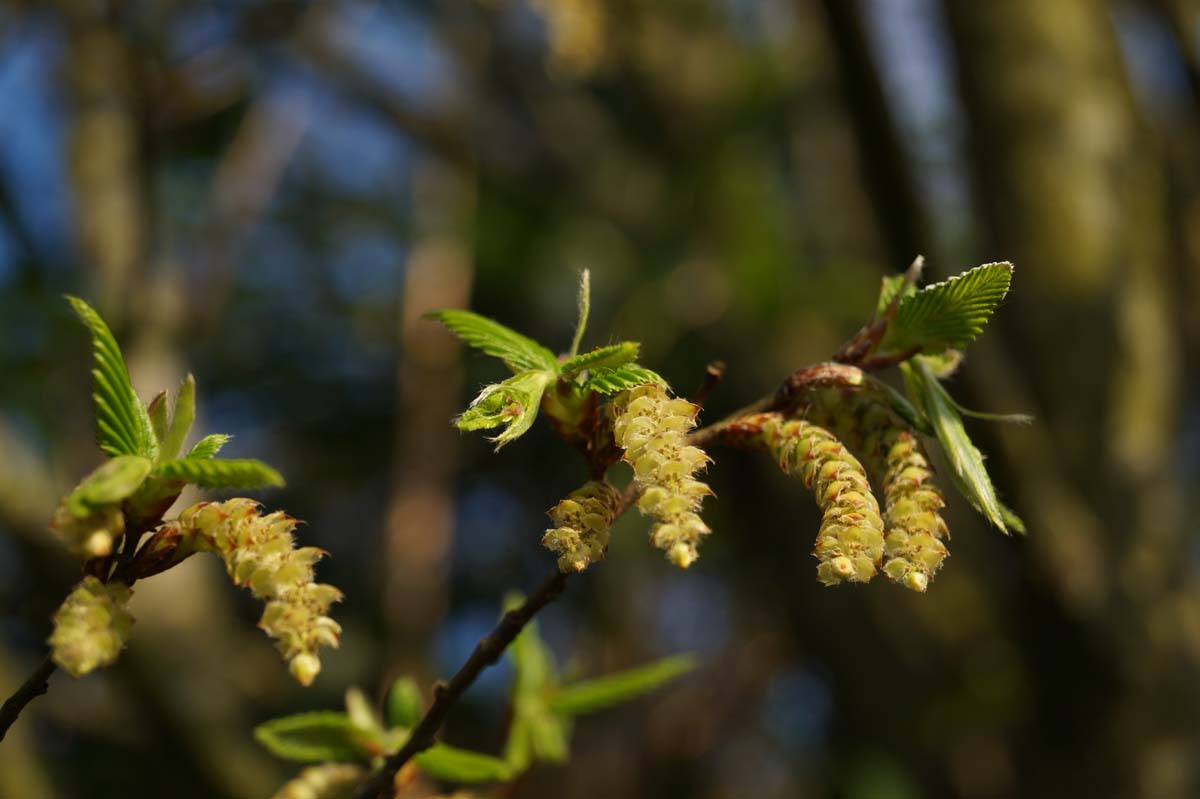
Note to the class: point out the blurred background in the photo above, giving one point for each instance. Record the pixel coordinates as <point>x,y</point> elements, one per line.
<point>270,194</point>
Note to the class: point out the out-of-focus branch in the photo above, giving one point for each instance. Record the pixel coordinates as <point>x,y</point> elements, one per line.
<point>37,684</point>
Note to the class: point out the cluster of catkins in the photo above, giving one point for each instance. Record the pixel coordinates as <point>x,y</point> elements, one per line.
<point>652,428</point>
<point>582,522</point>
<point>91,626</point>
<point>259,553</point>
<point>908,539</point>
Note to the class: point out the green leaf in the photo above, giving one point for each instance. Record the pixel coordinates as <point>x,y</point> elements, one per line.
<point>512,405</point>
<point>114,481</point>
<point>951,313</point>
<point>584,302</point>
<point>903,408</point>
<point>601,358</point>
<point>1012,519</point>
<point>209,446</point>
<point>183,414</point>
<point>360,712</point>
<point>209,473</point>
<point>316,737</point>
<point>518,352</point>
<point>404,703</point>
<point>122,425</point>
<point>966,462</point>
<point>452,764</point>
<point>589,696</point>
<point>610,381</point>
<point>535,733</point>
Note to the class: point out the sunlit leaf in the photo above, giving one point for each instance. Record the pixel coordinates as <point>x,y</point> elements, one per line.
<point>122,424</point>
<point>213,473</point>
<point>602,358</point>
<point>518,352</point>
<point>209,446</point>
<point>610,381</point>
<point>315,737</point>
<point>951,313</point>
<point>115,480</point>
<point>183,413</point>
<point>512,405</point>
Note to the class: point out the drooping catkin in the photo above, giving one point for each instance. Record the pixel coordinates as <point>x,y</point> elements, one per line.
<point>850,541</point>
<point>91,626</point>
<point>582,522</point>
<point>259,553</point>
<point>914,548</point>
<point>652,429</point>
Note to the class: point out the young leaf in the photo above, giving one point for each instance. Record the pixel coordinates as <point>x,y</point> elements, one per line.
<point>122,425</point>
<point>518,352</point>
<point>589,696</point>
<point>182,416</point>
<point>890,287</point>
<point>601,358</point>
<point>115,480</point>
<point>610,381</point>
<point>209,473</point>
<point>1012,519</point>
<point>315,737</point>
<point>966,462</point>
<point>452,764</point>
<point>951,313</point>
<point>209,446</point>
<point>585,304</point>
<point>404,703</point>
<point>157,411</point>
<point>360,712</point>
<point>512,405</point>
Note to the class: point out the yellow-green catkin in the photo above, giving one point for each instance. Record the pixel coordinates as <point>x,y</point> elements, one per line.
<point>914,546</point>
<point>326,781</point>
<point>259,553</point>
<point>582,522</point>
<point>850,541</point>
<point>652,429</point>
<point>91,626</point>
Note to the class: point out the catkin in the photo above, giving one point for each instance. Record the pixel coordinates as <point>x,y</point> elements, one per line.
<point>914,546</point>
<point>91,626</point>
<point>582,522</point>
<point>850,541</point>
<point>259,553</point>
<point>652,429</point>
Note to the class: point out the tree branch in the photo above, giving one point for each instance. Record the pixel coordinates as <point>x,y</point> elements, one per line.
<point>35,686</point>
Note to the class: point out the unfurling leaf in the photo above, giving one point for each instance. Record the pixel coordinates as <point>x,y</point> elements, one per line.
<point>966,461</point>
<point>404,703</point>
<point>609,357</point>
<point>589,696</point>
<point>211,473</point>
<point>183,413</point>
<point>122,425</point>
<point>316,737</point>
<point>519,353</point>
<point>948,314</point>
<point>452,764</point>
<point>607,380</point>
<point>584,303</point>
<point>512,405</point>
<point>113,482</point>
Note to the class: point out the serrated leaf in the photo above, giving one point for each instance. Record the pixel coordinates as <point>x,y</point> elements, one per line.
<point>122,425</point>
<point>512,405</point>
<point>404,703</point>
<point>966,461</point>
<point>519,353</point>
<point>608,357</point>
<point>588,696</point>
<point>949,314</point>
<point>113,482</point>
<point>215,473</point>
<point>452,764</point>
<point>209,446</point>
<point>183,414</point>
<point>610,381</point>
<point>316,737</point>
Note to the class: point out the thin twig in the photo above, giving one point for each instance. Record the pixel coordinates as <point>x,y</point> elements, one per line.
<point>35,686</point>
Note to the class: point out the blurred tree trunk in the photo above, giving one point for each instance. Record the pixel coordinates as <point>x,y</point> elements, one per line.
<point>1072,190</point>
